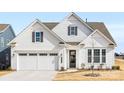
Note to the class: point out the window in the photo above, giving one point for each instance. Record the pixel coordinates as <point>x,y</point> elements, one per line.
<point>103,55</point>
<point>96,55</point>
<point>32,54</point>
<point>22,54</point>
<point>2,42</point>
<point>89,55</point>
<point>72,30</point>
<point>61,58</point>
<point>7,41</point>
<point>53,54</point>
<point>7,57</point>
<point>43,54</point>
<point>37,36</point>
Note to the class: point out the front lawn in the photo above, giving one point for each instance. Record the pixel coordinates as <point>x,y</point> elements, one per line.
<point>104,75</point>
<point>4,72</point>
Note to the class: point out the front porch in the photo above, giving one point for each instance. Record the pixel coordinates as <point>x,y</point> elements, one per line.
<point>68,57</point>
<point>81,57</point>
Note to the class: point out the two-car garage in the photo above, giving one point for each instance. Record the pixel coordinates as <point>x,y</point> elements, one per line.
<point>37,61</point>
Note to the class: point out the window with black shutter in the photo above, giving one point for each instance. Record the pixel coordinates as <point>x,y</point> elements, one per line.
<point>41,36</point>
<point>37,36</point>
<point>69,30</point>
<point>33,36</point>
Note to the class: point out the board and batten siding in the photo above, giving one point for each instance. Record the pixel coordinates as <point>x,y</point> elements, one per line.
<point>24,40</point>
<point>98,42</point>
<point>7,36</point>
<point>24,43</point>
<point>62,30</point>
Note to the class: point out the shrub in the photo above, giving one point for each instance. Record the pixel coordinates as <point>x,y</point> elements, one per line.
<point>115,67</point>
<point>62,69</point>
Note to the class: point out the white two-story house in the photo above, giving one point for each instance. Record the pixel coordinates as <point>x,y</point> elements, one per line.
<point>71,43</point>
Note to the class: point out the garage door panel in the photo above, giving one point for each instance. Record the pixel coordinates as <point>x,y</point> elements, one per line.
<point>46,63</point>
<point>27,62</point>
<point>33,61</point>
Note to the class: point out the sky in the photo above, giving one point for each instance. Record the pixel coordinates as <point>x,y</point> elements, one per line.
<point>113,21</point>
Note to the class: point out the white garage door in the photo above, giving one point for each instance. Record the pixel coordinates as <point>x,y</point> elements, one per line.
<point>37,61</point>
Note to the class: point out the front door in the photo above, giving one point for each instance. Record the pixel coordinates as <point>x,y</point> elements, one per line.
<point>72,58</point>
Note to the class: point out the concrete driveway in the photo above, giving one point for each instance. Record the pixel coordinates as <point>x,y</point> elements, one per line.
<point>29,76</point>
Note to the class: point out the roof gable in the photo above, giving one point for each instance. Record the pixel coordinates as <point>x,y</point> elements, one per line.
<point>94,25</point>
<point>97,35</point>
<point>102,28</point>
<point>30,25</point>
<point>78,18</point>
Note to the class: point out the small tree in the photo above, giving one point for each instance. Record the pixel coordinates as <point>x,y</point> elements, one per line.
<point>82,65</point>
<point>92,65</point>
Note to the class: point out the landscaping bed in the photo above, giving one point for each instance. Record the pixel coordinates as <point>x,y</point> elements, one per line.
<point>102,74</point>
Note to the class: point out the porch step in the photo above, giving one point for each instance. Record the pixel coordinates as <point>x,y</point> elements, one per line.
<point>71,70</point>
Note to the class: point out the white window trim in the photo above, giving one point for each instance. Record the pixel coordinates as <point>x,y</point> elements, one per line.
<point>93,55</point>
<point>74,30</point>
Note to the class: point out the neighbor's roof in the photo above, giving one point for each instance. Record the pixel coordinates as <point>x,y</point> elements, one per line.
<point>94,25</point>
<point>3,26</point>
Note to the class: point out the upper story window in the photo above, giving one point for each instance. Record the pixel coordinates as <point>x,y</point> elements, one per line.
<point>72,30</point>
<point>37,36</point>
<point>7,41</point>
<point>2,42</point>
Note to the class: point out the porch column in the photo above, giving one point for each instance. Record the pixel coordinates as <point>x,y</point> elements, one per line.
<point>65,58</point>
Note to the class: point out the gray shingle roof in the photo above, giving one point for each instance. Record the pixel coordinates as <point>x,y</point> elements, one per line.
<point>94,25</point>
<point>3,26</point>
<point>51,25</point>
<point>102,28</point>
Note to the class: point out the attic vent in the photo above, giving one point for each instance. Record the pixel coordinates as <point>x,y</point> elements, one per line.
<point>111,44</point>
<point>61,42</point>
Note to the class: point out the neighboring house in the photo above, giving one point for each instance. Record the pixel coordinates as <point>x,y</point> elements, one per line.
<point>71,43</point>
<point>119,56</point>
<point>6,35</point>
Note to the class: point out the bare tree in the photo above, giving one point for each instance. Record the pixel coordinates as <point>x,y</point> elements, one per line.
<point>92,63</point>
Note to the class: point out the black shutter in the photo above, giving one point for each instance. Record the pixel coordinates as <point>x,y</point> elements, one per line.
<point>33,36</point>
<point>41,36</point>
<point>76,30</point>
<point>69,30</point>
